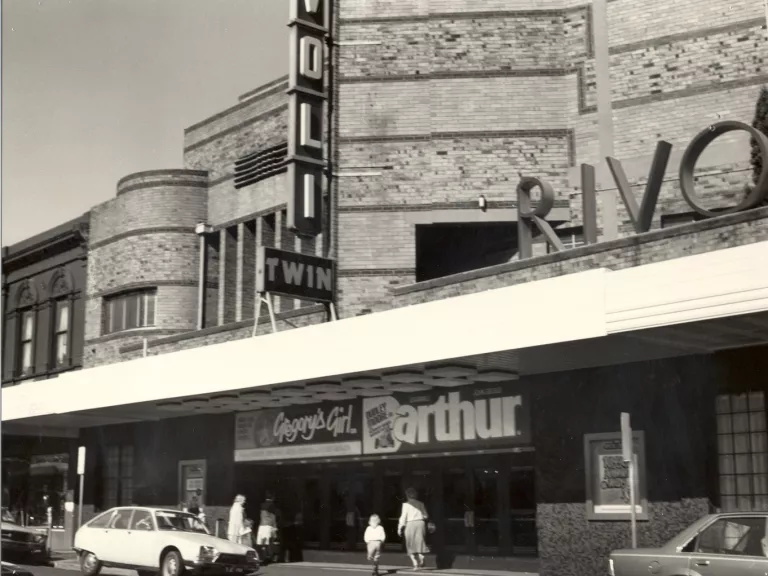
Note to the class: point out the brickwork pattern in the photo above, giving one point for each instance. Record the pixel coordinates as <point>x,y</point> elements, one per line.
<point>156,207</point>
<point>231,121</point>
<point>451,169</point>
<point>384,109</point>
<point>147,258</point>
<point>350,9</point>
<point>226,204</point>
<point>643,70</point>
<point>228,287</point>
<point>639,22</point>
<point>359,295</point>
<point>376,240</point>
<point>246,280</point>
<point>385,49</point>
<point>219,153</point>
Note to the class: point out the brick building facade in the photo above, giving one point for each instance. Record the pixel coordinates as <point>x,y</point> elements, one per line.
<point>436,104</point>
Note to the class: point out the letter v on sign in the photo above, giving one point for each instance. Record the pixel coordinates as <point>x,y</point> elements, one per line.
<point>311,6</point>
<point>642,216</point>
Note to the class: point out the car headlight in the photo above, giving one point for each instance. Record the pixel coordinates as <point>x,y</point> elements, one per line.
<point>40,538</point>
<point>251,556</point>
<point>208,554</point>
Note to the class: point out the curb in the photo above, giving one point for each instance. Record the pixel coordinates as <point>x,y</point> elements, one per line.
<point>74,566</point>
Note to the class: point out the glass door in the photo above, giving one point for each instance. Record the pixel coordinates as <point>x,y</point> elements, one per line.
<point>340,494</point>
<point>522,511</point>
<point>391,505</point>
<point>456,509</point>
<point>362,507</point>
<point>485,524</point>
<point>311,512</point>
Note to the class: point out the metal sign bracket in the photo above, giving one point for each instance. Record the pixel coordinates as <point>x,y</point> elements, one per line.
<point>264,298</point>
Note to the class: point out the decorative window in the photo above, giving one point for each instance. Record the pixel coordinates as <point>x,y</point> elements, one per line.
<point>129,311</point>
<point>27,343</point>
<point>61,323</point>
<point>742,445</point>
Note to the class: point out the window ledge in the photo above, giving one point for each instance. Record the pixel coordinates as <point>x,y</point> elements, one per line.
<point>154,331</point>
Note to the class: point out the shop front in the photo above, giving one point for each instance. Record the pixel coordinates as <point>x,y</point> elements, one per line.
<point>466,450</point>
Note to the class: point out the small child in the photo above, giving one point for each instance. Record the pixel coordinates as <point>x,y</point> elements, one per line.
<point>374,539</point>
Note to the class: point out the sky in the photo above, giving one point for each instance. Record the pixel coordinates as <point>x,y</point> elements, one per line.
<point>94,90</point>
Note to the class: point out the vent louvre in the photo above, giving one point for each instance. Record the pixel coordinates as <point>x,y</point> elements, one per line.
<point>260,165</point>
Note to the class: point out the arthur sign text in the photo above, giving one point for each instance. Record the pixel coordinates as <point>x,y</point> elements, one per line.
<point>642,215</point>
<point>309,24</point>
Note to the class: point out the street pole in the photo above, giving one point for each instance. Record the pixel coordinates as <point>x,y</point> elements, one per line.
<point>604,116</point>
<point>81,473</point>
<point>633,499</point>
<point>628,455</point>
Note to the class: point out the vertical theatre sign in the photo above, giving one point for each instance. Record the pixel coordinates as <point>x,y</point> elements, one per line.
<point>309,24</point>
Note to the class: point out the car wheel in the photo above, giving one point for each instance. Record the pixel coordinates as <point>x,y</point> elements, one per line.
<point>89,564</point>
<point>172,565</point>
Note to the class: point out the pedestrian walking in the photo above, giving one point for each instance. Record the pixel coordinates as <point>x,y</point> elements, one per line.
<point>267,530</point>
<point>236,519</point>
<point>413,527</point>
<point>374,540</point>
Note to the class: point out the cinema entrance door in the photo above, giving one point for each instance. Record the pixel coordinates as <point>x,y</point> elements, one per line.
<point>481,504</point>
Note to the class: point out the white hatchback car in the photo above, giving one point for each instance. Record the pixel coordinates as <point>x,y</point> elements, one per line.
<point>151,540</point>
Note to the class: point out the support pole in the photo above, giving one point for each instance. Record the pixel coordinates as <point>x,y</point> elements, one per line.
<point>271,311</point>
<point>266,298</point>
<point>257,313</point>
<point>633,498</point>
<point>80,503</point>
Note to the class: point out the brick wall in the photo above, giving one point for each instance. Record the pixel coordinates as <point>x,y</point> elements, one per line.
<point>439,101</point>
<point>144,238</point>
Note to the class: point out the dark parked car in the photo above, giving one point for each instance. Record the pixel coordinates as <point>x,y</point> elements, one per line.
<point>732,544</point>
<point>14,570</point>
<point>22,541</point>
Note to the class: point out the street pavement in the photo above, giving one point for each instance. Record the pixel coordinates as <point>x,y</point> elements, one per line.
<point>298,569</point>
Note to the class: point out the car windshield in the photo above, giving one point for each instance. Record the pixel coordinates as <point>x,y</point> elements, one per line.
<point>181,521</point>
<point>8,517</point>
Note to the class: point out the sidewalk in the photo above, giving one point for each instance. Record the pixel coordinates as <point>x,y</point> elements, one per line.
<point>71,563</point>
<point>384,569</point>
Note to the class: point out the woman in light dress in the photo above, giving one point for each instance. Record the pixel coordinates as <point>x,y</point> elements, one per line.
<point>413,525</point>
<point>236,519</point>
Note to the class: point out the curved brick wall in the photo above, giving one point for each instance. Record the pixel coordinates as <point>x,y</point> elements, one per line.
<point>145,237</point>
